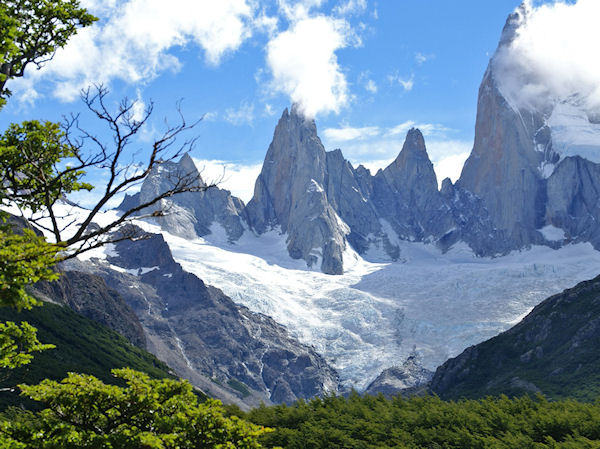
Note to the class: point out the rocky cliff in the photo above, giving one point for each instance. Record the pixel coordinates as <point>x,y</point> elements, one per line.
<point>290,193</point>
<point>189,214</point>
<point>554,350</point>
<point>226,350</point>
<point>529,165</point>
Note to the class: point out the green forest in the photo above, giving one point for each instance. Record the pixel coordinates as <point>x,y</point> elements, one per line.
<point>361,422</point>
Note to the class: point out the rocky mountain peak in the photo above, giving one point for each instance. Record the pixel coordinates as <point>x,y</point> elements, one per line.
<point>290,192</point>
<point>414,142</point>
<point>412,168</point>
<point>513,22</point>
<point>187,166</point>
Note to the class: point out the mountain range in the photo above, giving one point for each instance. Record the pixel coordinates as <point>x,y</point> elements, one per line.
<point>332,277</point>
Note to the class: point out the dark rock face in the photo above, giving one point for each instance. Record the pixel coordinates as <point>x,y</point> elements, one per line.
<point>407,379</point>
<point>188,214</point>
<point>290,193</point>
<point>506,169</point>
<point>322,202</point>
<point>223,348</point>
<point>573,197</point>
<point>89,296</point>
<point>503,167</point>
<point>554,350</point>
<point>406,194</point>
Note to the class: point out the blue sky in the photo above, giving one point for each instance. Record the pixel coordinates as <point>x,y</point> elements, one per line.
<point>366,70</point>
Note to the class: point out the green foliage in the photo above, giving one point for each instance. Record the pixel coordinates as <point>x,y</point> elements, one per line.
<point>29,156</point>
<point>370,422</point>
<point>83,412</point>
<point>24,259</point>
<point>82,345</point>
<point>32,30</point>
<point>17,343</point>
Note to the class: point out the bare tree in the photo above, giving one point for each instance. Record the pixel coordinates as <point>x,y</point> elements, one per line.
<point>78,234</point>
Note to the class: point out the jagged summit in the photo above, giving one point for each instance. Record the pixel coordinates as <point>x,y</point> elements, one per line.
<point>530,165</point>
<point>290,193</point>
<point>414,141</point>
<point>513,22</point>
<point>189,214</point>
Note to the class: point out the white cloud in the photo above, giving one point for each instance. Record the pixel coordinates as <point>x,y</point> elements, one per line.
<point>133,39</point>
<point>350,7</point>
<point>295,10</point>
<point>371,86</point>
<point>426,128</point>
<point>406,83</point>
<point>422,58</point>
<point>304,64</point>
<point>210,116</point>
<point>244,115</point>
<point>553,56</point>
<point>349,133</point>
<point>269,110</point>
<point>239,178</point>
<point>450,167</point>
<point>138,108</point>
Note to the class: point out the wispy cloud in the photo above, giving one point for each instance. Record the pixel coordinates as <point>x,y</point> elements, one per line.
<point>348,133</point>
<point>426,128</point>
<point>406,83</point>
<point>371,86</point>
<point>350,7</point>
<point>243,115</point>
<point>422,58</point>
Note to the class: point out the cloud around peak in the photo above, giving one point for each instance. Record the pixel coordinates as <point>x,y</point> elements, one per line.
<point>552,56</point>
<point>304,65</point>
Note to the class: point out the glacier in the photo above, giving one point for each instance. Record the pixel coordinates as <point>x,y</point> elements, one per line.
<point>377,314</point>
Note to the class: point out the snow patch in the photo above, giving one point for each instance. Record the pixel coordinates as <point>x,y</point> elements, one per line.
<point>314,186</point>
<point>573,134</point>
<point>142,270</point>
<point>552,233</point>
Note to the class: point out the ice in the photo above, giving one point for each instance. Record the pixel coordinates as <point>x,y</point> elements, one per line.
<point>573,134</point>
<point>552,233</point>
<point>373,316</point>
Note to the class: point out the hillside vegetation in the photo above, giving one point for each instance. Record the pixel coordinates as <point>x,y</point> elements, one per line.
<point>428,422</point>
<point>555,350</point>
<point>82,346</point>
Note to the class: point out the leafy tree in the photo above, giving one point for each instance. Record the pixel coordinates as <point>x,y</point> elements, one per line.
<point>17,343</point>
<point>31,31</point>
<point>41,162</point>
<point>83,412</point>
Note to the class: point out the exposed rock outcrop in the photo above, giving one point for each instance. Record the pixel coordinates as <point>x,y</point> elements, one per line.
<point>89,296</point>
<point>188,214</point>
<point>223,348</point>
<point>554,350</point>
<point>290,192</point>
<point>407,379</point>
